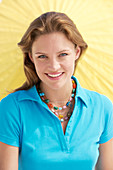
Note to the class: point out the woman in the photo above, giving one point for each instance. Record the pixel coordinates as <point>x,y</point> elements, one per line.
<point>51,122</point>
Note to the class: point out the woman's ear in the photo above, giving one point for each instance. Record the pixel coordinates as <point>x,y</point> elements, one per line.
<point>78,51</point>
<point>31,58</point>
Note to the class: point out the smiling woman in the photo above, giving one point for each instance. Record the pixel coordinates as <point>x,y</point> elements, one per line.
<point>46,24</point>
<point>51,121</point>
<point>53,67</point>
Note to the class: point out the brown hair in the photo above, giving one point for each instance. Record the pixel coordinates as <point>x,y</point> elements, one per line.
<point>46,23</point>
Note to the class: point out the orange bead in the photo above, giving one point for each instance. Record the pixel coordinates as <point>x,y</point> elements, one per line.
<point>74,86</point>
<point>50,105</point>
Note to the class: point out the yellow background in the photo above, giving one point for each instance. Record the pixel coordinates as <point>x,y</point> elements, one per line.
<point>94,19</point>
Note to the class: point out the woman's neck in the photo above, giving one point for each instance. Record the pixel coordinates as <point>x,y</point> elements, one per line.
<point>59,96</point>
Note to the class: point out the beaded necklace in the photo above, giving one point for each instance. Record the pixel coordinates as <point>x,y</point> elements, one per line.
<point>56,109</point>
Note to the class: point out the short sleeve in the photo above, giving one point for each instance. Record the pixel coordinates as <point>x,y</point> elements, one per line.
<point>9,121</point>
<point>107,133</point>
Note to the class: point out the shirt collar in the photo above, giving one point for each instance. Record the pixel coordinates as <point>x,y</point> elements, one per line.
<point>32,94</point>
<point>81,92</point>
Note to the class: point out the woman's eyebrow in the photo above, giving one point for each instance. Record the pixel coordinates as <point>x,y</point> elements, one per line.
<point>63,50</point>
<point>39,52</point>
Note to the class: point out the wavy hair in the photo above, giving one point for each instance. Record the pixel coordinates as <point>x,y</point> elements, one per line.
<point>46,23</point>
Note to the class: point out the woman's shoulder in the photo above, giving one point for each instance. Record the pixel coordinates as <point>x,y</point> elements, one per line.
<point>101,105</point>
<point>98,96</point>
<point>9,102</point>
<point>18,95</point>
<point>14,96</point>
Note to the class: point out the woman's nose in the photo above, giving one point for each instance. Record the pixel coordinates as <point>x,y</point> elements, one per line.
<point>54,64</point>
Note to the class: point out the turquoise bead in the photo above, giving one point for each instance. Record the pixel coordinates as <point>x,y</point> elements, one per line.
<point>62,120</point>
<point>72,95</point>
<point>41,94</point>
<point>73,90</point>
<point>60,108</point>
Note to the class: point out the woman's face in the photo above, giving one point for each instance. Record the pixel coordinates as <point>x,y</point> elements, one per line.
<point>54,58</point>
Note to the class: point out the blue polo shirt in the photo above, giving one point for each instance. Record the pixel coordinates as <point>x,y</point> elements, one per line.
<point>27,122</point>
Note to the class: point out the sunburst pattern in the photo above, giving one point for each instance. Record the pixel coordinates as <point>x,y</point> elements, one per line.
<point>94,19</point>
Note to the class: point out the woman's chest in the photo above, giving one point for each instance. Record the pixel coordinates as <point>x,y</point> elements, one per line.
<point>46,144</point>
<point>43,141</point>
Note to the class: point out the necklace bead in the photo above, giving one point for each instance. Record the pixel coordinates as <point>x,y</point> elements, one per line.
<point>74,85</point>
<point>72,95</point>
<point>67,104</point>
<point>46,100</point>
<point>50,105</point>
<point>60,116</point>
<point>73,90</point>
<point>66,118</point>
<point>42,94</point>
<point>60,108</point>
<point>64,107</point>
<point>62,120</point>
<point>55,107</point>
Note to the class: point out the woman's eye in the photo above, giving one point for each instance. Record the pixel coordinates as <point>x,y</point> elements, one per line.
<point>42,56</point>
<point>63,54</point>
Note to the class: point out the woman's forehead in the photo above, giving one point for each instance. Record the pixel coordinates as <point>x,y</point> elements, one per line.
<point>53,40</point>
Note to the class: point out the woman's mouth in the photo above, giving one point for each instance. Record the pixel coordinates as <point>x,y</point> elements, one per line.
<point>54,75</point>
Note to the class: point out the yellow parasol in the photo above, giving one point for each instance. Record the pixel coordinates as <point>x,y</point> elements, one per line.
<point>94,19</point>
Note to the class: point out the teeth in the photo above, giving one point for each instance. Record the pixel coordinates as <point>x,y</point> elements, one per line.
<point>54,75</point>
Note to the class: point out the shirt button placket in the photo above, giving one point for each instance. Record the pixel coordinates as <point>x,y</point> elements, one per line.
<point>62,138</point>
